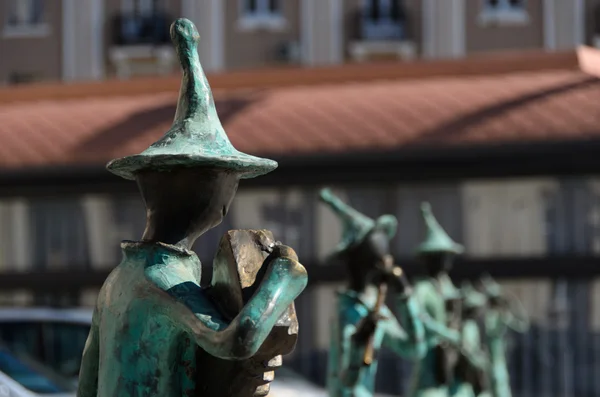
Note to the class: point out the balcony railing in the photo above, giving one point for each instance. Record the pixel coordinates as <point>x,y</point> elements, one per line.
<point>132,29</point>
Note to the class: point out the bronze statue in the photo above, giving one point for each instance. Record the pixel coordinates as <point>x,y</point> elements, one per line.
<point>471,370</point>
<point>439,300</point>
<point>364,322</point>
<point>504,312</point>
<point>155,330</point>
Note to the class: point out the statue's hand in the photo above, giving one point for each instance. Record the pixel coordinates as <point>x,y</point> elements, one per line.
<point>283,263</point>
<point>366,327</point>
<point>395,278</point>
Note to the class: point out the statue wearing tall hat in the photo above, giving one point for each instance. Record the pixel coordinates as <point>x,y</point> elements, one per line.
<point>155,330</point>
<point>364,323</point>
<point>440,301</point>
<point>503,313</point>
<point>471,370</point>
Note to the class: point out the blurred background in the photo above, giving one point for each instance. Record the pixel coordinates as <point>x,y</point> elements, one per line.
<point>482,107</point>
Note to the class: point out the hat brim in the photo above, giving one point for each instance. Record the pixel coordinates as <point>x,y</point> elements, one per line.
<point>387,223</point>
<point>245,165</point>
<point>455,249</point>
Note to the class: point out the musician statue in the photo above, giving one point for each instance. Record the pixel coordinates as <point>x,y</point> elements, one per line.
<point>504,312</point>
<point>154,327</point>
<point>364,322</point>
<point>440,301</point>
<point>471,370</point>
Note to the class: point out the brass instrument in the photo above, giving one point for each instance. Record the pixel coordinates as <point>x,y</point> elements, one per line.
<point>381,295</point>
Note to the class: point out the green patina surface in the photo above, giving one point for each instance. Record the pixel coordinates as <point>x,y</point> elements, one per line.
<point>152,313</point>
<point>471,372</point>
<point>436,240</point>
<point>356,226</point>
<point>435,295</point>
<point>347,376</point>
<point>498,320</point>
<point>196,120</point>
<point>152,316</point>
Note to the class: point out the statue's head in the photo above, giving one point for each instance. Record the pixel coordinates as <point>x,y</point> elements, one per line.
<point>438,250</point>
<point>473,301</point>
<point>365,241</point>
<point>193,165</point>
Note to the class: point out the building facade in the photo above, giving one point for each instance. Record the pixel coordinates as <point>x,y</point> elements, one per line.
<point>96,39</point>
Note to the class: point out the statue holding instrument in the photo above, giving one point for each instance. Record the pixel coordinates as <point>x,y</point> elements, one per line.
<point>364,322</point>
<point>503,312</point>
<point>155,330</point>
<point>471,371</point>
<point>440,301</point>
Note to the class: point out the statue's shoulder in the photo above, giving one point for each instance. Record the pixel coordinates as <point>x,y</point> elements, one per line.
<point>424,288</point>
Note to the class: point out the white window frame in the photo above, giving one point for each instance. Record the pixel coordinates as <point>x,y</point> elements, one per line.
<point>262,17</point>
<point>24,9</point>
<point>503,13</point>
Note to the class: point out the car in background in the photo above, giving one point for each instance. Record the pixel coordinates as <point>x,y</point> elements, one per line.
<point>53,337</point>
<point>20,377</point>
<point>288,383</point>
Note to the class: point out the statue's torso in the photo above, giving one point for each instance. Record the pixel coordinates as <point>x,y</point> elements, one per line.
<point>427,377</point>
<point>142,351</point>
<point>351,310</point>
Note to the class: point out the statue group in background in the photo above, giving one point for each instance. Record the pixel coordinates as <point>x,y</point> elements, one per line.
<point>438,325</point>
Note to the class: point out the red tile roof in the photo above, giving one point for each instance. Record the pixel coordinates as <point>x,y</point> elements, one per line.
<point>324,118</point>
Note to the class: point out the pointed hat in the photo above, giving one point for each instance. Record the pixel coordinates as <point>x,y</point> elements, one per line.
<point>437,240</point>
<point>355,225</point>
<point>196,138</point>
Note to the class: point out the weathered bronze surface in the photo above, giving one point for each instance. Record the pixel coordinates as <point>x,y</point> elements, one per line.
<point>237,273</point>
<point>364,324</point>
<point>440,301</point>
<point>504,312</point>
<point>471,370</point>
<point>155,330</point>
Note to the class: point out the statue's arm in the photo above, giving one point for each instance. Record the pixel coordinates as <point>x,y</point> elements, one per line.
<point>353,351</point>
<point>242,337</point>
<point>409,342</point>
<point>431,308</point>
<point>88,373</point>
<point>471,346</point>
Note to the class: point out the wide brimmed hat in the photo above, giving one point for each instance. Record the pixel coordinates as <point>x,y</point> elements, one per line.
<point>436,240</point>
<point>196,138</point>
<point>356,226</point>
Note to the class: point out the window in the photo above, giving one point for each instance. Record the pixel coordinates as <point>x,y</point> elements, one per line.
<point>22,78</point>
<point>140,7</point>
<point>504,12</point>
<point>26,18</point>
<point>262,7</point>
<point>383,10</point>
<point>59,234</point>
<point>261,14</point>
<point>382,20</point>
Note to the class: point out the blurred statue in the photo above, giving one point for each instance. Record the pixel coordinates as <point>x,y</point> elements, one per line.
<point>155,330</point>
<point>364,322</point>
<point>471,370</point>
<point>503,312</point>
<point>440,300</point>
